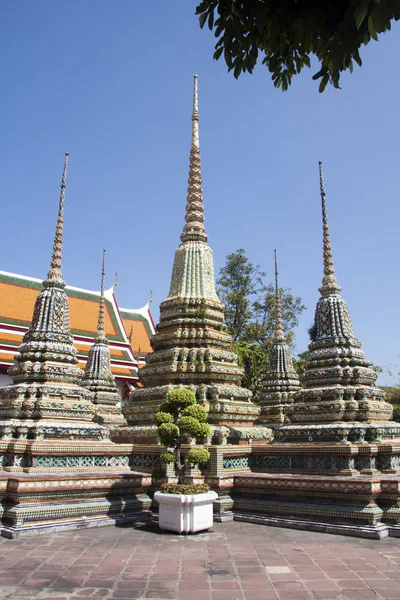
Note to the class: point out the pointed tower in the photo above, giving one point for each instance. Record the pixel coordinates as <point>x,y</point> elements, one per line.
<point>281,380</point>
<point>98,377</point>
<point>339,382</point>
<point>46,392</point>
<point>191,344</point>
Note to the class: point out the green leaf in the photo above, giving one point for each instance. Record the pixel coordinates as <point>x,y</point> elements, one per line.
<point>371,28</point>
<point>324,82</point>
<point>360,12</point>
<point>202,19</point>
<point>218,53</point>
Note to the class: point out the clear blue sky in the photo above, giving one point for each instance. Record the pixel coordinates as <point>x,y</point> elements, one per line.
<point>111,83</point>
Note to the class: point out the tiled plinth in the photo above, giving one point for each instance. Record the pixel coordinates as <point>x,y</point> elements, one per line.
<point>34,503</point>
<point>350,506</point>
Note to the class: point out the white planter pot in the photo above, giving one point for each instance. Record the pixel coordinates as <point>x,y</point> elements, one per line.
<point>185,513</point>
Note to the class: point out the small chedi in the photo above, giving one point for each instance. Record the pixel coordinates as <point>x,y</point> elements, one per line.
<point>281,380</point>
<point>98,377</point>
<point>339,400</point>
<point>191,345</point>
<point>46,399</point>
<point>66,473</point>
<point>335,466</point>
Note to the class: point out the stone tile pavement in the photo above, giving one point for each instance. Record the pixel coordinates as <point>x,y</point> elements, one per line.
<point>235,561</point>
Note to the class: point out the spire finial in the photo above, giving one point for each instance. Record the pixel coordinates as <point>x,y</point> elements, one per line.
<point>100,323</point>
<point>329,282</point>
<point>279,336</point>
<point>195,115</point>
<point>55,276</point>
<point>194,230</point>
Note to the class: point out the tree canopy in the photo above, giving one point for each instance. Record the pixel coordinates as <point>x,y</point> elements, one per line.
<point>250,314</point>
<point>285,34</point>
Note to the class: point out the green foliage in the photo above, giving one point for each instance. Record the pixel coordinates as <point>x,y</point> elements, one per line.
<point>239,280</point>
<point>250,314</point>
<point>250,302</point>
<point>167,457</point>
<point>168,433</point>
<point>179,418</point>
<point>285,34</point>
<point>193,427</point>
<point>396,412</point>
<point>203,431</point>
<point>392,395</point>
<point>198,456</point>
<point>158,473</point>
<point>186,489</point>
<point>300,363</point>
<point>177,400</point>
<point>312,332</point>
<point>197,412</point>
<point>253,358</point>
<point>163,417</point>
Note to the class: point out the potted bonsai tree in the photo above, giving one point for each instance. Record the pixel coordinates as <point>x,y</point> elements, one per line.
<point>184,508</point>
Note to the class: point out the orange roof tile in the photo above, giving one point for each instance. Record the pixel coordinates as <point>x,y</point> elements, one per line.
<point>17,300</point>
<point>84,315</point>
<point>137,334</point>
<point>10,337</point>
<point>7,356</point>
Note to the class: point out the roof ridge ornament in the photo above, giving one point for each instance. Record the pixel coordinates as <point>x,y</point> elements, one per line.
<point>194,230</point>
<point>54,276</point>
<point>329,283</point>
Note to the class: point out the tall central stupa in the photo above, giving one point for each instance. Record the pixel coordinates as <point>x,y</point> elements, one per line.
<point>191,346</point>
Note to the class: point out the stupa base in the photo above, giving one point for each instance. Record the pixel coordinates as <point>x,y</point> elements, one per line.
<point>55,456</point>
<point>375,533</point>
<point>135,434</point>
<point>239,434</point>
<point>220,434</point>
<point>49,429</point>
<point>349,506</point>
<point>339,432</point>
<point>34,504</point>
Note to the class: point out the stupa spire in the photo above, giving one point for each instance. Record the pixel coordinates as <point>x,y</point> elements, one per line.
<point>191,346</point>
<point>329,282</point>
<point>338,380</point>
<point>45,367</point>
<point>193,270</point>
<point>98,377</point>
<point>100,323</point>
<point>54,276</point>
<point>281,380</point>
<point>279,335</point>
<point>194,230</point>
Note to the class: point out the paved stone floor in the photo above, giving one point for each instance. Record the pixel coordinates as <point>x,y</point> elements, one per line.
<point>235,561</point>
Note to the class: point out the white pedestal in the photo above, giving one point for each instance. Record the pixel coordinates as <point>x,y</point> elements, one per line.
<point>185,513</point>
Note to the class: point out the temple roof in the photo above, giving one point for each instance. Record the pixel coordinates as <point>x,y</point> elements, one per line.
<point>127,330</point>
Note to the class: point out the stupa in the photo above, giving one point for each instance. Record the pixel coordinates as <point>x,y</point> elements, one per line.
<point>191,346</point>
<point>65,472</point>
<point>335,468</point>
<point>98,377</point>
<point>46,399</point>
<point>281,380</point>
<point>339,400</point>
